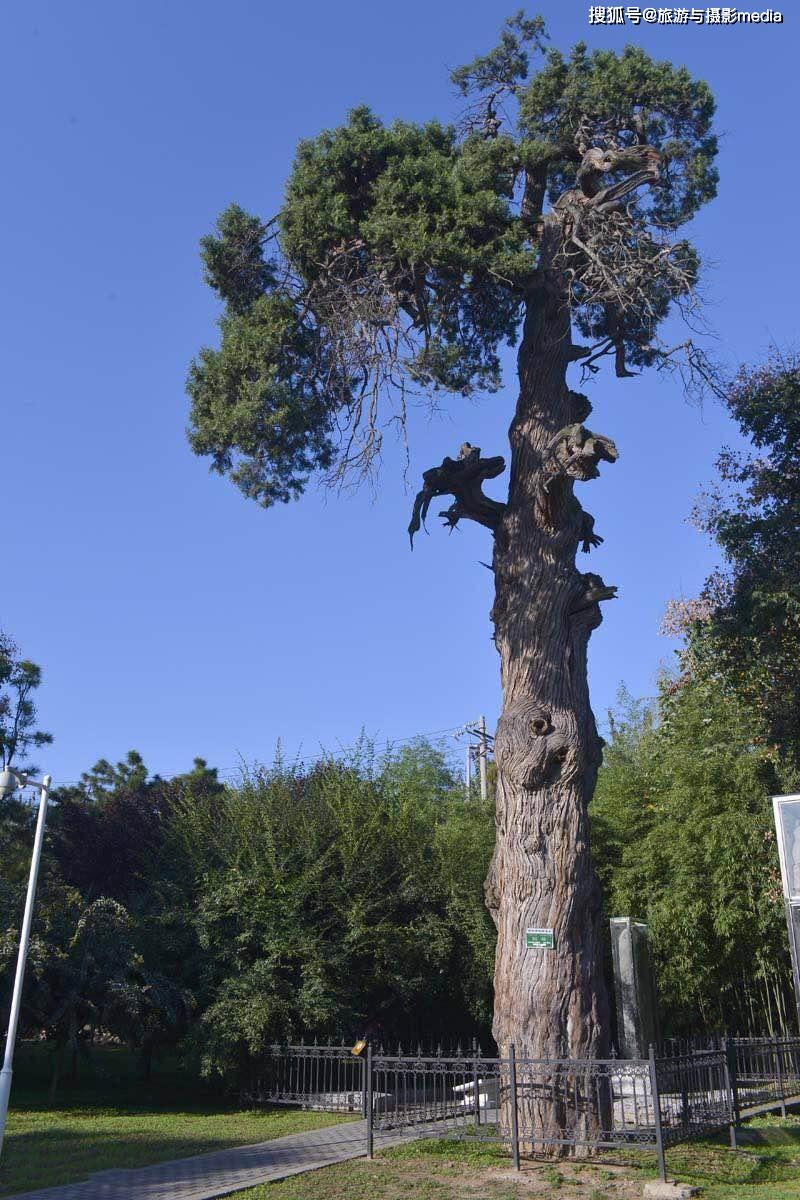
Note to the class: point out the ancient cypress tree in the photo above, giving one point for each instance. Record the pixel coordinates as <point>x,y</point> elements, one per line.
<point>403,257</point>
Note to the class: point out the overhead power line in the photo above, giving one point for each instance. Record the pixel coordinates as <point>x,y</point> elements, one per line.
<point>225,773</point>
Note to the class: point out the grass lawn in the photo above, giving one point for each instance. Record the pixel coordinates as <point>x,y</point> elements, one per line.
<point>109,1118</point>
<point>767,1168</point>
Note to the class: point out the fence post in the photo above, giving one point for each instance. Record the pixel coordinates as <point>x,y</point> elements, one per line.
<point>733,1106</point>
<point>363,1064</point>
<point>369,1099</point>
<point>662,1164</point>
<point>512,1081</point>
<point>475,1084</point>
<point>779,1071</point>
<point>685,1111</point>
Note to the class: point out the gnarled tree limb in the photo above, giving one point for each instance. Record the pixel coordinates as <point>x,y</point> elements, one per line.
<point>614,260</point>
<point>643,161</point>
<point>593,591</point>
<point>461,478</point>
<point>576,452</point>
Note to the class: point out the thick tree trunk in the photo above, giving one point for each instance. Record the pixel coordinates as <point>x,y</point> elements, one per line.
<point>551,1003</point>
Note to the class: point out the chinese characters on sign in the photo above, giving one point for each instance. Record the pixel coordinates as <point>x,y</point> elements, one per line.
<point>538,939</point>
<point>621,15</point>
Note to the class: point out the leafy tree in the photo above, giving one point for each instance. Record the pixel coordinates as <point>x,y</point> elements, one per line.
<point>19,679</point>
<point>684,839</point>
<point>86,976</point>
<point>403,258</point>
<point>746,625</point>
<point>108,829</point>
<point>329,903</point>
<point>114,948</point>
<point>623,805</point>
<point>79,953</point>
<point>112,839</point>
<point>147,1010</point>
<point>732,736</point>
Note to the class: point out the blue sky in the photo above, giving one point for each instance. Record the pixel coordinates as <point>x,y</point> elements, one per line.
<point>168,613</point>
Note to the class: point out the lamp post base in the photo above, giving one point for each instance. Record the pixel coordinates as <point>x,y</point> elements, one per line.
<point>5,1092</point>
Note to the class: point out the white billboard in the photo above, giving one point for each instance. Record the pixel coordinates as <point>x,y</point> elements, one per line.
<point>787,826</point>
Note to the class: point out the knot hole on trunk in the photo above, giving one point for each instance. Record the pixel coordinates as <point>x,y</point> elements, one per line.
<point>532,744</point>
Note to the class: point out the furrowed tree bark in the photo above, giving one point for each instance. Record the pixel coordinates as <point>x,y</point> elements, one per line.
<point>550,1003</point>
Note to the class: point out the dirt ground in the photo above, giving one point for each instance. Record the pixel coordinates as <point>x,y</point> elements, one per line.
<point>583,1182</point>
<point>766,1167</point>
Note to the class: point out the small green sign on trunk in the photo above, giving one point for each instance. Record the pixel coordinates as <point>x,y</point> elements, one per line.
<point>538,939</point>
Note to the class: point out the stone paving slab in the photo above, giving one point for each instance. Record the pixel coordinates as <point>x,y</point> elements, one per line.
<point>221,1172</point>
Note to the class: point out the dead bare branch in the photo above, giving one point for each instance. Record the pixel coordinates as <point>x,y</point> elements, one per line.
<point>462,478</point>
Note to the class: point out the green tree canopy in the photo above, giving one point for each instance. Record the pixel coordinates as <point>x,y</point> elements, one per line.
<point>19,679</point>
<point>746,626</point>
<point>337,901</point>
<point>683,836</point>
<point>403,254</point>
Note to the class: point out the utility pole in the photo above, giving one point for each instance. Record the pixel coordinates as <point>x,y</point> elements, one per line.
<point>482,757</point>
<point>479,753</point>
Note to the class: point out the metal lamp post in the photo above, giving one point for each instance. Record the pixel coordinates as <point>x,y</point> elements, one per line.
<point>9,782</point>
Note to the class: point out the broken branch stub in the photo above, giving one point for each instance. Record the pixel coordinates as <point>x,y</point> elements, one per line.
<point>588,537</point>
<point>461,478</point>
<point>576,452</point>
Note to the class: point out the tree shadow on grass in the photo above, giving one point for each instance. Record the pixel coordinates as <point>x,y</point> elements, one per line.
<point>120,1104</point>
<point>767,1153</point>
<point>68,1146</point>
<point>109,1119</point>
<point>49,1158</point>
<point>770,1135</point>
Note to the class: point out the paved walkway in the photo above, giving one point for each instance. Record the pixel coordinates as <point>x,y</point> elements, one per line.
<point>221,1172</point>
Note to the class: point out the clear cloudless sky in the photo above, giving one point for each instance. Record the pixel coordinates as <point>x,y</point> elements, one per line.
<point>168,613</point>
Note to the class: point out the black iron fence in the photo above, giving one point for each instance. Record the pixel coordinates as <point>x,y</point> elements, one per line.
<point>325,1078</point>
<point>695,1095</point>
<point>534,1105</point>
<point>766,1072</point>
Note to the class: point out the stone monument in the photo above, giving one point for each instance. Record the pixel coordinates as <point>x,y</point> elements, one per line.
<point>634,987</point>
